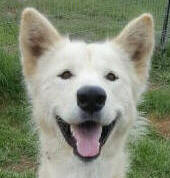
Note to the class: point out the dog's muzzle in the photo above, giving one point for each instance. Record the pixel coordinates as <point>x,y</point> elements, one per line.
<point>89,135</point>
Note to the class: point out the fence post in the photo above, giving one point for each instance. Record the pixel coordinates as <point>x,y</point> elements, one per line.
<point>165,26</point>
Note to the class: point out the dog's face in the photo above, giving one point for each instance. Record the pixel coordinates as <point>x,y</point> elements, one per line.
<point>86,91</point>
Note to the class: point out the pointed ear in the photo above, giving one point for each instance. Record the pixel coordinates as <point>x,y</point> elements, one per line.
<point>37,35</point>
<point>137,40</point>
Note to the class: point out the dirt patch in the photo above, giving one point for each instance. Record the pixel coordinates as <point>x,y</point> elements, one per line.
<point>23,165</point>
<point>163,126</point>
<point>153,86</point>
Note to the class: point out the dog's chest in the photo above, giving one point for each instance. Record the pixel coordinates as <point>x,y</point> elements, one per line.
<point>88,170</point>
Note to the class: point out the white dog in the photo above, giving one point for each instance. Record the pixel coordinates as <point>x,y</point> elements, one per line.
<point>84,96</point>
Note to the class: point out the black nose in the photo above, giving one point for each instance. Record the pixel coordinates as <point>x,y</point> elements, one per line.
<point>91,99</point>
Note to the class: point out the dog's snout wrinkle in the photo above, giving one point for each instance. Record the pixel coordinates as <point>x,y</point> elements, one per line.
<point>91,98</point>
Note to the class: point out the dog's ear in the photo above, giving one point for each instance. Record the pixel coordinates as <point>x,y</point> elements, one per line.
<point>137,40</point>
<point>37,35</point>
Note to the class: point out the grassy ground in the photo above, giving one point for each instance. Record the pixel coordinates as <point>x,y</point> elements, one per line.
<point>18,142</point>
<point>81,18</point>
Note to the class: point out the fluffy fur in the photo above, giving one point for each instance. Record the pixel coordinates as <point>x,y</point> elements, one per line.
<point>46,54</point>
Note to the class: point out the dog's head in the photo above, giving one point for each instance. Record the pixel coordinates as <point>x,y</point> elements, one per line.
<point>89,91</point>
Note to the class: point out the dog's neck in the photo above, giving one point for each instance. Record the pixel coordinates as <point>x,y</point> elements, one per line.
<point>64,164</point>
<point>74,168</point>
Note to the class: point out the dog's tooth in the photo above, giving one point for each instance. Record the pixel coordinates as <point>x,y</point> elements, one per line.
<point>72,130</point>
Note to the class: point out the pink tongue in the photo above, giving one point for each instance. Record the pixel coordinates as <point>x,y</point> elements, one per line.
<point>87,140</point>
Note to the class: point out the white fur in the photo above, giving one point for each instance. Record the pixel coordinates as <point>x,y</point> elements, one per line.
<point>128,56</point>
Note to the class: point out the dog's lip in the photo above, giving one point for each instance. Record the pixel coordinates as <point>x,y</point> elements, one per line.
<point>67,133</point>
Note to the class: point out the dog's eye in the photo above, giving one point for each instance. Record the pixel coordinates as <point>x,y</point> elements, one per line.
<point>110,76</point>
<point>66,75</point>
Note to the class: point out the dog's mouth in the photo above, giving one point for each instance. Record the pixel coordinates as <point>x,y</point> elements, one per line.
<point>86,138</point>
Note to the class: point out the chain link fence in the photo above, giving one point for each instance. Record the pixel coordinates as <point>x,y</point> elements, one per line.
<point>88,19</point>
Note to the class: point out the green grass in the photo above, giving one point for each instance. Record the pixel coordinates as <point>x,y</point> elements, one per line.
<point>157,102</point>
<point>150,157</point>
<point>157,99</point>
<point>81,18</point>
<point>92,20</point>
<point>9,174</point>
<point>10,77</point>
<point>18,144</point>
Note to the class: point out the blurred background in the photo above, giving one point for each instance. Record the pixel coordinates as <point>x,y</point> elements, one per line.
<point>90,19</point>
